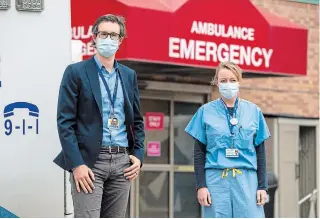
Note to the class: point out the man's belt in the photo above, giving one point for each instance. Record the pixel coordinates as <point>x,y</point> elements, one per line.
<point>114,149</point>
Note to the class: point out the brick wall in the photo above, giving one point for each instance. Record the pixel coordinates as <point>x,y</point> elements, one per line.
<point>293,96</point>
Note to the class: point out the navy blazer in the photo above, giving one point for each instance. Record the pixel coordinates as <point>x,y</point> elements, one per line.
<point>79,115</point>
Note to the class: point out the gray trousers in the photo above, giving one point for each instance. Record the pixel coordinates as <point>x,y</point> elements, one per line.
<point>111,193</point>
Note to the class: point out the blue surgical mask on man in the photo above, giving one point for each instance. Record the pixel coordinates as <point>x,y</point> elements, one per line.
<point>107,47</point>
<point>229,90</point>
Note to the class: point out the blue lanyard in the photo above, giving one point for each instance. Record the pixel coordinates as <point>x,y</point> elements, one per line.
<point>112,100</point>
<point>228,114</point>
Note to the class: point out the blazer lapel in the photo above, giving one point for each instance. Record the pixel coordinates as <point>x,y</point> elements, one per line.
<point>94,82</point>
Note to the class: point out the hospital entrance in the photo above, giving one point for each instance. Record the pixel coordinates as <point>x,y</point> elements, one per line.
<point>166,185</point>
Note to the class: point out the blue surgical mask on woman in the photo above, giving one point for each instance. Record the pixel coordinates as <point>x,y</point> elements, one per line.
<point>229,90</point>
<point>107,47</point>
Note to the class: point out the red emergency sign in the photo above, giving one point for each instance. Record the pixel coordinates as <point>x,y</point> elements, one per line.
<point>200,33</point>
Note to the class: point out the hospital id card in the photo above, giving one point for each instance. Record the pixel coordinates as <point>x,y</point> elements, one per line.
<point>232,153</point>
<point>113,123</point>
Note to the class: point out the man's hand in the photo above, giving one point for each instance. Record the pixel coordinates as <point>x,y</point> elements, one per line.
<point>261,197</point>
<point>133,171</point>
<point>83,177</point>
<point>204,197</point>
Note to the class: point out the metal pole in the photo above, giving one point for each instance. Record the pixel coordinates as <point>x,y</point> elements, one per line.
<point>68,203</point>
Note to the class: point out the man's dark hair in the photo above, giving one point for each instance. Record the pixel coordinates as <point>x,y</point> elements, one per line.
<point>109,18</point>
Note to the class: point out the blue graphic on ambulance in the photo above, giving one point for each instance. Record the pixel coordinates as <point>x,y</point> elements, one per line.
<point>33,111</point>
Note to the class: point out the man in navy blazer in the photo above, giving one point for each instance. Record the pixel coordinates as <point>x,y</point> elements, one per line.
<point>100,126</point>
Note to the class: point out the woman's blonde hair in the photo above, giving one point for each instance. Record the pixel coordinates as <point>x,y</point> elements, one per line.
<point>230,66</point>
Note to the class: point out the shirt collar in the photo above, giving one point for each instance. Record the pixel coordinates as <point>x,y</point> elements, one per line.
<point>115,64</point>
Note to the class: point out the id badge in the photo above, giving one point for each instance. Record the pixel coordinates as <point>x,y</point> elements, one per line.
<point>232,153</point>
<point>113,123</point>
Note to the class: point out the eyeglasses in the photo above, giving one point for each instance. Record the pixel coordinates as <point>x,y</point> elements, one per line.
<point>104,35</point>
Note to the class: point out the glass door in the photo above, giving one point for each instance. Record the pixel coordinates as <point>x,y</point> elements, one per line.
<point>153,182</point>
<point>185,201</point>
<point>166,185</point>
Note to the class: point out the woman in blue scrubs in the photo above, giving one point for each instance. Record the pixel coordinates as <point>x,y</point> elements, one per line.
<point>229,153</point>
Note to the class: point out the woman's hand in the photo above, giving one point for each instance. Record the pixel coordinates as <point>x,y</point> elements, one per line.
<point>204,197</point>
<point>261,197</point>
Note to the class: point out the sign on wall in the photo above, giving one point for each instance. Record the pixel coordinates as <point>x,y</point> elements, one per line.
<point>253,38</point>
<point>154,148</point>
<point>154,121</point>
<point>241,53</point>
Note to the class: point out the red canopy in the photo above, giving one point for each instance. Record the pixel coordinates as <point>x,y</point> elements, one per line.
<point>199,33</point>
